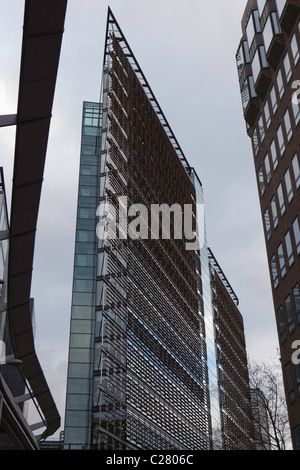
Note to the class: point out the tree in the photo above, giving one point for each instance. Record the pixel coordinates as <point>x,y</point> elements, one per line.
<point>266,380</point>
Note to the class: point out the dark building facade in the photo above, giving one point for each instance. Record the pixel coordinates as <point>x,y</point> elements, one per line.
<point>143,370</point>
<point>269,73</point>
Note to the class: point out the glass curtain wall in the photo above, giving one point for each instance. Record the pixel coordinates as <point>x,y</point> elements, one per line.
<point>81,346</point>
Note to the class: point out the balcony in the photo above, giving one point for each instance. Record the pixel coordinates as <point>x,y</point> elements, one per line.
<point>275,51</point>
<point>250,101</point>
<point>261,72</point>
<point>252,111</point>
<point>288,11</point>
<point>273,40</point>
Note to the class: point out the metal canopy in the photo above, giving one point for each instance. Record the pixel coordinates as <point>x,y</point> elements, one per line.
<point>42,36</point>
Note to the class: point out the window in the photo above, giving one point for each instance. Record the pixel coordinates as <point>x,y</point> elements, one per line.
<point>281,261</point>
<point>242,57</point>
<point>295,49</point>
<point>296,170</point>
<point>281,325</point>
<point>274,272</point>
<point>261,181</point>
<point>296,112</point>
<point>288,185</point>
<point>267,114</point>
<point>296,295</point>
<point>281,201</point>
<point>280,83</point>
<point>261,129</point>
<point>253,26</point>
<point>268,33</point>
<point>289,313</point>
<point>274,212</point>
<point>267,168</point>
<point>280,6</point>
<point>271,28</point>
<point>289,383</point>
<point>287,66</point>
<point>247,92</point>
<point>289,248</point>
<point>261,5</point>
<point>273,99</point>
<point>274,155</point>
<point>255,142</point>
<point>296,231</point>
<point>267,224</point>
<point>281,142</point>
<point>259,62</point>
<point>288,125</point>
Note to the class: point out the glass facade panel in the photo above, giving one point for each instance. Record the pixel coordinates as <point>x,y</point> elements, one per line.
<point>274,272</point>
<point>255,142</point>
<point>296,112</point>
<point>296,295</point>
<point>296,231</point>
<point>261,181</point>
<point>78,399</point>
<point>267,168</point>
<point>280,6</point>
<point>281,201</point>
<point>261,128</point>
<point>268,33</point>
<point>256,65</point>
<point>281,261</point>
<point>281,325</point>
<point>290,383</point>
<point>281,142</point>
<point>242,57</point>
<point>267,114</point>
<point>287,67</point>
<point>261,5</point>
<point>274,212</point>
<point>273,99</point>
<point>288,185</point>
<point>296,170</point>
<point>289,314</point>
<point>280,84</point>
<point>295,49</point>
<point>250,30</point>
<point>274,155</point>
<point>267,223</point>
<point>289,248</point>
<point>259,62</point>
<point>288,125</point>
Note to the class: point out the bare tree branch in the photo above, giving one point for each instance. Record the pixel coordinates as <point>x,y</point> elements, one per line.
<point>267,379</point>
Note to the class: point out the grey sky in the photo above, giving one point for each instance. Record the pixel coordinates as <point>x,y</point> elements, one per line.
<point>187,52</point>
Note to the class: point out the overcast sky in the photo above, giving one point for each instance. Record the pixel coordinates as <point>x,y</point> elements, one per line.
<point>187,52</point>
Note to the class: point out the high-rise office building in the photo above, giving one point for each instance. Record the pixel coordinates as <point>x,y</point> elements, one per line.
<point>260,419</point>
<point>143,368</point>
<point>235,398</point>
<point>269,73</point>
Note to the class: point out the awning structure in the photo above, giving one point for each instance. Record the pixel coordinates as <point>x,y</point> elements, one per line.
<point>42,37</point>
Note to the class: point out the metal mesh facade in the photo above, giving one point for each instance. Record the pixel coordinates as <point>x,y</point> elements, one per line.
<point>150,369</point>
<point>235,397</point>
<point>143,370</point>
